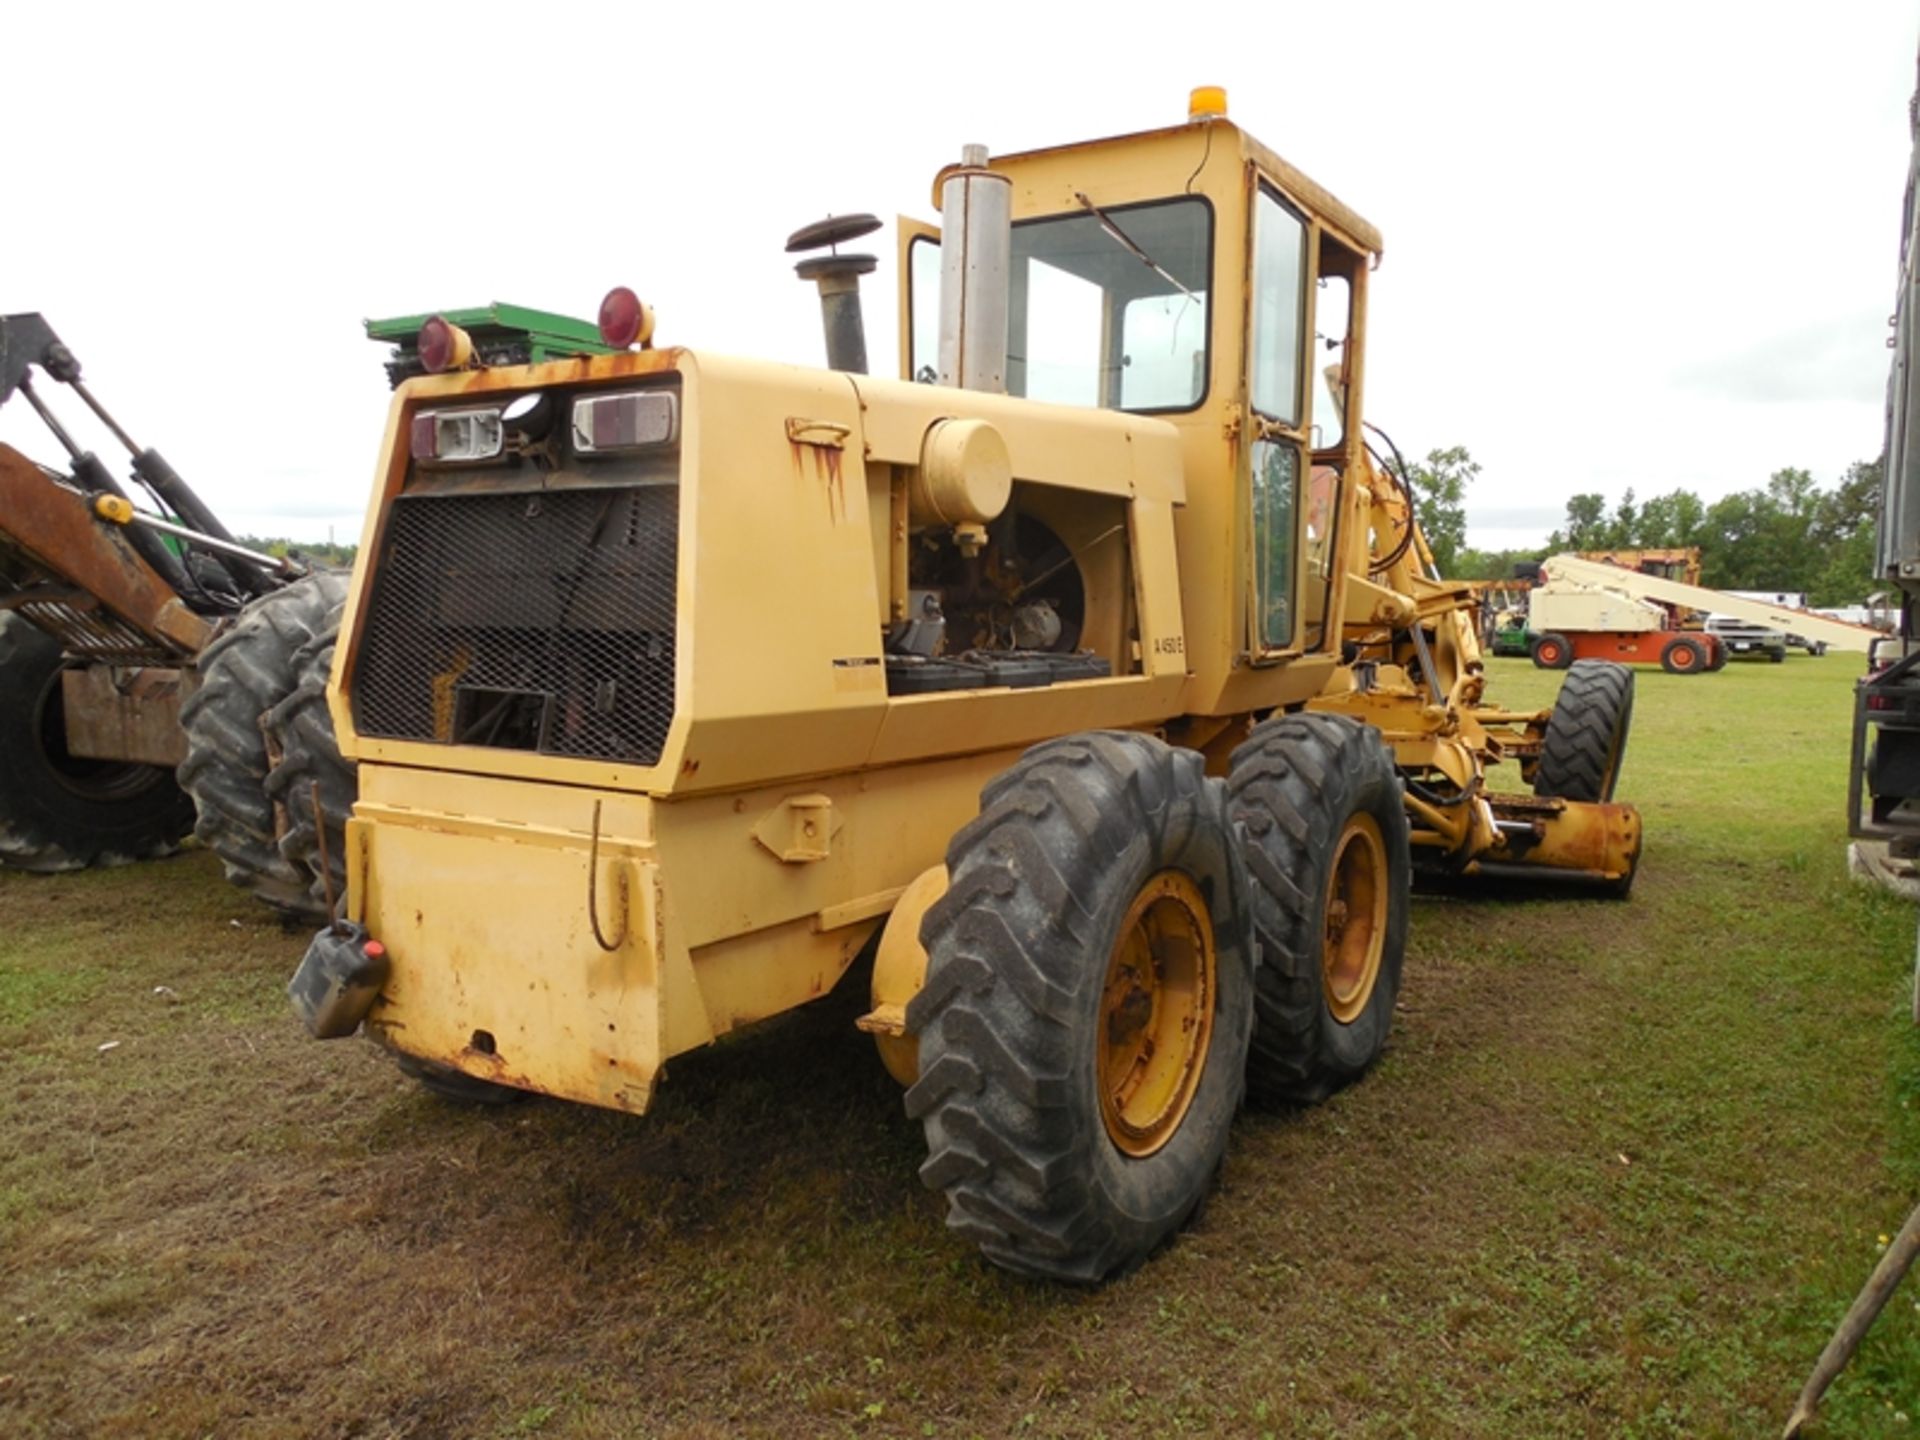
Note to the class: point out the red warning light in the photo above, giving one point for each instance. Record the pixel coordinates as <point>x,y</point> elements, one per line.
<point>440,345</point>
<point>623,319</point>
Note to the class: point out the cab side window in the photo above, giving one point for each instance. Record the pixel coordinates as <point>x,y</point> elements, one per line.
<point>1279,306</point>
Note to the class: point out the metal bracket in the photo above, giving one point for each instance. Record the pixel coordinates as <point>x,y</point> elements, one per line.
<point>798,830</point>
<point>829,433</point>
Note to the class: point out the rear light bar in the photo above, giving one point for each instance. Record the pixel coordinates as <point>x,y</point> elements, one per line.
<point>449,437</point>
<point>631,420</point>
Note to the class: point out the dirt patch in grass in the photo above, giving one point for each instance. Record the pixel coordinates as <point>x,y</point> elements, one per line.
<point>1620,1171</point>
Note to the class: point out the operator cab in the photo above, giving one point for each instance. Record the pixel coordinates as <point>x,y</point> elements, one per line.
<point>1192,275</point>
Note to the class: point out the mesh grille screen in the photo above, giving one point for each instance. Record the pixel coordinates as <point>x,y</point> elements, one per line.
<point>540,621</point>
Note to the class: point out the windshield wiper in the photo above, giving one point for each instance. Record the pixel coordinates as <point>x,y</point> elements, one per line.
<point>1107,224</point>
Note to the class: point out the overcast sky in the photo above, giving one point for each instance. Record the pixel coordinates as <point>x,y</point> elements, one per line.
<point>1626,245</point>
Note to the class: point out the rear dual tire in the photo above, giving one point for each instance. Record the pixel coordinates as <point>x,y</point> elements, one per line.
<point>1084,1023</point>
<point>1092,1013</point>
<point>1328,852</point>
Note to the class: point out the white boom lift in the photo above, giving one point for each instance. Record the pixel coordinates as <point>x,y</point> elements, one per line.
<point>1835,634</point>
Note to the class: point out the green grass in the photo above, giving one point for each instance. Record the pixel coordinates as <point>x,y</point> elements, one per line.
<point>1623,1167</point>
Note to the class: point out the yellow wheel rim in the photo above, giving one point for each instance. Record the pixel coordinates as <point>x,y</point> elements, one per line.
<point>1356,919</point>
<point>1156,1014</point>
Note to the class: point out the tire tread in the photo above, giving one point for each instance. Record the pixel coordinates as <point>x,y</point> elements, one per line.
<point>1008,945</point>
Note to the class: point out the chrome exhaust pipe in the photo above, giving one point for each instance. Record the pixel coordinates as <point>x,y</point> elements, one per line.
<point>976,265</point>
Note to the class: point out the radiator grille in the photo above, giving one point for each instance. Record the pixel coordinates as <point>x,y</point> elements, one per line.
<point>558,604</point>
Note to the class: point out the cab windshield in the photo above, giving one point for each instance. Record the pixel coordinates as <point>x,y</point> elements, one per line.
<point>1107,307</point>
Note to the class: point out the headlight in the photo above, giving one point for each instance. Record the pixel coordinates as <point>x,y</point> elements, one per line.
<point>631,420</point>
<point>449,437</point>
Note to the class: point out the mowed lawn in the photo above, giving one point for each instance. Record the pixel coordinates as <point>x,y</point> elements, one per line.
<point>1621,1170</point>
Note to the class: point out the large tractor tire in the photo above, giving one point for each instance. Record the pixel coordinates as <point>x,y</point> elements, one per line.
<point>244,673</point>
<point>1327,850</point>
<point>1089,994</point>
<point>1587,733</point>
<point>60,811</point>
<point>307,764</point>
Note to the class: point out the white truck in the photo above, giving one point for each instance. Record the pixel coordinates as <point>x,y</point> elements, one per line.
<point>1748,637</point>
<point>1791,600</point>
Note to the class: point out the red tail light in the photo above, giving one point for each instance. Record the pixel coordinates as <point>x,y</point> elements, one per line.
<point>625,318</point>
<point>443,346</point>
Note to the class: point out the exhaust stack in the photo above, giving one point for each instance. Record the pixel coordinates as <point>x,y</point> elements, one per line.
<point>838,277</point>
<point>976,262</point>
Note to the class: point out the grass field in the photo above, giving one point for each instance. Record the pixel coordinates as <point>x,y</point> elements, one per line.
<point>1621,1170</point>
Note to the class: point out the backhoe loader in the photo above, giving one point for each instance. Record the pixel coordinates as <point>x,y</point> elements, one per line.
<point>156,676</point>
<point>1092,678</point>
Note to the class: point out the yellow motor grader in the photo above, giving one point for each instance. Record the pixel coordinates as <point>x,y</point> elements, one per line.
<point>1091,677</point>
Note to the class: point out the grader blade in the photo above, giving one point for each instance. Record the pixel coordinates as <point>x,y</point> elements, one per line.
<point>1544,837</point>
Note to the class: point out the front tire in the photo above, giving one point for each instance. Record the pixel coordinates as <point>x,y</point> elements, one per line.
<point>1586,737</point>
<point>60,811</point>
<point>1089,995</point>
<point>1328,854</point>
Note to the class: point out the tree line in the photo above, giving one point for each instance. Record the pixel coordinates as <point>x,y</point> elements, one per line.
<point>1790,534</point>
<point>324,551</point>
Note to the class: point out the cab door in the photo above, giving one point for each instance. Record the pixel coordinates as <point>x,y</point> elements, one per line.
<point>1279,321</point>
<point>1303,396</point>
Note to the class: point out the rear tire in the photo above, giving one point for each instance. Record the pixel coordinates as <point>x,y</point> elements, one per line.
<point>60,811</point>
<point>1779,656</point>
<point>244,673</point>
<point>1322,806</point>
<point>1552,652</point>
<point>1683,655</point>
<point>300,734</point>
<point>1089,994</point>
<point>1586,738</point>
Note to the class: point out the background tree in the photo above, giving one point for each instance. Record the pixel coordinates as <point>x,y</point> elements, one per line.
<point>1440,486</point>
<point>1587,527</point>
<point>1843,533</point>
<point>1788,535</point>
<point>326,552</point>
